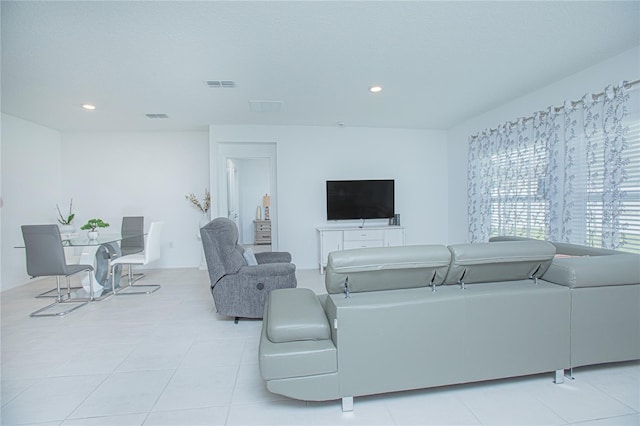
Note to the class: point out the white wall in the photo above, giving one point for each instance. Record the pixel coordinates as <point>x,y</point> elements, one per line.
<point>108,175</point>
<point>1,200</point>
<point>625,66</point>
<point>31,188</point>
<point>148,174</point>
<point>307,156</point>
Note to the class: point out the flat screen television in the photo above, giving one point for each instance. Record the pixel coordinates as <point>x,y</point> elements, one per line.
<point>360,199</point>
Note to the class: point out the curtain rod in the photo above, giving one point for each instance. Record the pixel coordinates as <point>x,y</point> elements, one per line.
<point>626,85</point>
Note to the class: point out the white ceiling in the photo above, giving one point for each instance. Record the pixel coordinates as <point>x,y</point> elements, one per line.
<point>439,62</point>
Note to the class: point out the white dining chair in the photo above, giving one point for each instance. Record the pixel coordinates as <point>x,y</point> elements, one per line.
<point>150,254</point>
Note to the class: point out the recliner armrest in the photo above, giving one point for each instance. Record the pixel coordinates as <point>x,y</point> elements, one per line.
<point>268,269</point>
<point>273,257</point>
<point>295,314</point>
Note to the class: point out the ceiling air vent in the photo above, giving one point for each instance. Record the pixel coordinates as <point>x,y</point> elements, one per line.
<point>157,116</point>
<point>220,84</point>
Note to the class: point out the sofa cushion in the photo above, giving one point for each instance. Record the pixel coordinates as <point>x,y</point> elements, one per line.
<point>595,271</point>
<point>386,268</point>
<point>295,314</point>
<point>499,261</point>
<point>562,248</point>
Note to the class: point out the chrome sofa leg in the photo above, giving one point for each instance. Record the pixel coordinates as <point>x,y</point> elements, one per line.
<point>569,374</point>
<point>559,376</point>
<point>347,403</point>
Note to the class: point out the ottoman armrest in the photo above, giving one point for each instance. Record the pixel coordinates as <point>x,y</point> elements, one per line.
<point>295,314</point>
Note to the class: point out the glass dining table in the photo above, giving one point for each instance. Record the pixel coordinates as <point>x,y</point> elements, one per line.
<point>98,253</point>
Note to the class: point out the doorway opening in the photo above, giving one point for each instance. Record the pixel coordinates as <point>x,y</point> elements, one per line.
<point>246,186</point>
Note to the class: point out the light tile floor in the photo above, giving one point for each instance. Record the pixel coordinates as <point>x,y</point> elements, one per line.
<point>168,358</point>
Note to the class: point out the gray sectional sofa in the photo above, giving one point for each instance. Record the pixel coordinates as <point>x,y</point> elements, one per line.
<point>400,318</point>
<point>605,301</point>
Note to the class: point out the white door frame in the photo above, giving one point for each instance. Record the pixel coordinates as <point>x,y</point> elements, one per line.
<point>245,150</point>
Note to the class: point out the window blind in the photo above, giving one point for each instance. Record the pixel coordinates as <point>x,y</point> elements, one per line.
<point>569,174</point>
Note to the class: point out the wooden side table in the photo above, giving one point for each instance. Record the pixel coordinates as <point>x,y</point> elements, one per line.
<point>262,232</point>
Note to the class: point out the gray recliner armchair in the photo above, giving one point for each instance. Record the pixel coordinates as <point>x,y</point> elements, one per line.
<point>240,289</point>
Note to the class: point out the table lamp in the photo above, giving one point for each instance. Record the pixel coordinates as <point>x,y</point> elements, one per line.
<point>266,202</point>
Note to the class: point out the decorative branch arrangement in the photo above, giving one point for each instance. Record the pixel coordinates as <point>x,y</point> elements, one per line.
<point>66,221</point>
<point>206,202</point>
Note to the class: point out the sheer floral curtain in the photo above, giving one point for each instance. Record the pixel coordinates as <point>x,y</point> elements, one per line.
<point>567,174</point>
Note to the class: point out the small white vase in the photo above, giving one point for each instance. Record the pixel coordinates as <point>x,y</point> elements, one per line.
<point>204,220</point>
<point>67,229</point>
<point>93,235</point>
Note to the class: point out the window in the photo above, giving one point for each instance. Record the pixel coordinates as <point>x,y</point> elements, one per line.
<point>569,174</point>
<point>517,203</point>
<point>596,204</point>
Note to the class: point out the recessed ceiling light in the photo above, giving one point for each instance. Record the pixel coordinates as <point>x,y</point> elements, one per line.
<point>375,89</point>
<point>89,107</point>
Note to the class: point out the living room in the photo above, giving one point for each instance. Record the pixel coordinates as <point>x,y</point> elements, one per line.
<point>427,162</point>
<point>118,171</point>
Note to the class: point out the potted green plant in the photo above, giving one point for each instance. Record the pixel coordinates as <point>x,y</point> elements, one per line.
<point>65,221</point>
<point>92,225</point>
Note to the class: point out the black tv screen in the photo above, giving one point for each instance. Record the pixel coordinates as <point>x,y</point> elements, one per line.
<point>360,199</point>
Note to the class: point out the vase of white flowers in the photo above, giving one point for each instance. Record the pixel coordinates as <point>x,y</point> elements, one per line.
<point>204,207</point>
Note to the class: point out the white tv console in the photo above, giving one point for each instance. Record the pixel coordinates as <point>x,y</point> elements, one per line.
<point>336,238</point>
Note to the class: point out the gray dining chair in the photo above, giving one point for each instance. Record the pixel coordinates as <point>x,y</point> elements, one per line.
<point>54,291</point>
<point>45,258</point>
<point>132,232</point>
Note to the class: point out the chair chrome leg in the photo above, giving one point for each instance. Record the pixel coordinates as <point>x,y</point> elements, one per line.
<point>68,288</point>
<point>59,301</point>
<point>127,291</point>
<point>136,276</point>
<point>59,298</point>
<point>56,314</point>
<point>47,294</point>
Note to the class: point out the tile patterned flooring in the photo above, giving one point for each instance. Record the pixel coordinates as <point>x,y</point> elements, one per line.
<point>168,359</point>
